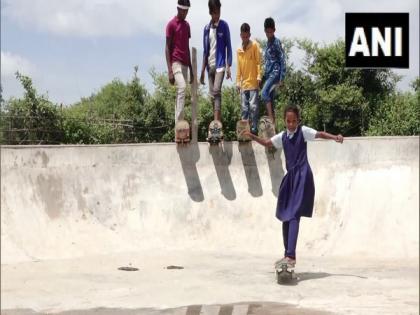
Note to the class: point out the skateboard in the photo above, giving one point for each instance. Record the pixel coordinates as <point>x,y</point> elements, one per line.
<point>215,134</point>
<point>266,128</point>
<point>182,131</point>
<point>242,125</point>
<point>284,274</point>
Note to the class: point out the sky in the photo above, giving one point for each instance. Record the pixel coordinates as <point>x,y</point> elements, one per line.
<point>71,48</point>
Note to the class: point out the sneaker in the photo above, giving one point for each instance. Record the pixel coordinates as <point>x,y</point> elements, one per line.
<point>280,262</point>
<point>291,262</point>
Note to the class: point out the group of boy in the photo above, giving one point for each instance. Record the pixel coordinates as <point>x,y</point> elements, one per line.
<point>217,60</point>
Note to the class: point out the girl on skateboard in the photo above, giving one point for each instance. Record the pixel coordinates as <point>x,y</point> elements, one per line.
<point>297,189</point>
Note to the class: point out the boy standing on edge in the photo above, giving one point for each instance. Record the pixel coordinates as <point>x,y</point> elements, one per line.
<point>274,67</point>
<point>248,76</point>
<point>217,56</point>
<point>178,58</point>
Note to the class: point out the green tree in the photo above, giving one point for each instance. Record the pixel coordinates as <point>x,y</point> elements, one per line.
<point>116,114</point>
<point>399,115</point>
<point>32,119</point>
<point>338,99</point>
<point>162,106</point>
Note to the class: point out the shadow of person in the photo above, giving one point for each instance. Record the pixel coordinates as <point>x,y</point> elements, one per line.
<point>303,276</point>
<point>189,156</point>
<point>222,156</point>
<point>251,169</point>
<point>275,167</point>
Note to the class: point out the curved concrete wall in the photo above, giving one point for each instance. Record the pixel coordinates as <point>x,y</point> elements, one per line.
<point>66,201</point>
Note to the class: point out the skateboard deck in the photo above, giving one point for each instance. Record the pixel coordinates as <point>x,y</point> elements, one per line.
<point>215,134</point>
<point>285,274</point>
<point>266,131</point>
<point>182,131</point>
<point>242,125</point>
<point>266,128</point>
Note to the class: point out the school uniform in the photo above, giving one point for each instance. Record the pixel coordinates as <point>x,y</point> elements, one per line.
<point>297,189</point>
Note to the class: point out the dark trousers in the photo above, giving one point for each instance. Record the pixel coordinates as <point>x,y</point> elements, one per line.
<point>290,236</point>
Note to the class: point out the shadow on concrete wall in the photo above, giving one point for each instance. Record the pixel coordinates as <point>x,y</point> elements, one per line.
<point>222,156</point>
<point>276,170</point>
<point>251,169</point>
<point>189,156</point>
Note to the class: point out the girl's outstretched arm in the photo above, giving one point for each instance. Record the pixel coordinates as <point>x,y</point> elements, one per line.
<point>265,142</point>
<point>328,136</point>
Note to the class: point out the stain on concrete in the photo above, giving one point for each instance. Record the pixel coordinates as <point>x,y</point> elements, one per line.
<point>51,194</point>
<point>43,157</point>
<point>130,189</point>
<point>80,198</point>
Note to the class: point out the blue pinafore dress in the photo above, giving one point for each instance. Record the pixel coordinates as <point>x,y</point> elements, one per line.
<point>297,189</point>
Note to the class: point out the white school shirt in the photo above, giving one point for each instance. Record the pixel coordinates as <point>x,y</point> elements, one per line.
<point>308,134</point>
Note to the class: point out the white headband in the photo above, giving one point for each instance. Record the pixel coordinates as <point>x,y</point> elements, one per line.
<point>183,7</point>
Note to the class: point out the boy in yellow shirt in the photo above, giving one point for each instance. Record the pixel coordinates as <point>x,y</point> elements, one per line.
<point>248,76</point>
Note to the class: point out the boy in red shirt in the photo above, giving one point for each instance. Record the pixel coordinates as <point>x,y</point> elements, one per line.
<point>178,57</point>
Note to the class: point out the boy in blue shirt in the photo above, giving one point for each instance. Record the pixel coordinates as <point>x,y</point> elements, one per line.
<point>274,67</point>
<point>217,56</point>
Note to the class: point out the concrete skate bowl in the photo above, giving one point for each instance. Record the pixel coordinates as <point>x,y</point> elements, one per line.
<point>61,202</point>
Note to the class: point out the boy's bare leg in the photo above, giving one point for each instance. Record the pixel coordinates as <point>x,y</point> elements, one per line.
<point>270,112</point>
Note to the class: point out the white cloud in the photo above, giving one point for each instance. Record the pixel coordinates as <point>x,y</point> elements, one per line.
<point>96,18</point>
<point>322,20</point>
<point>86,18</point>
<point>10,63</point>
